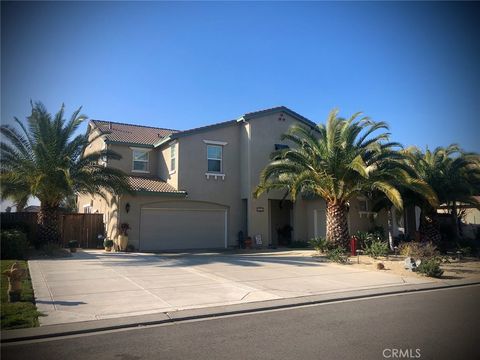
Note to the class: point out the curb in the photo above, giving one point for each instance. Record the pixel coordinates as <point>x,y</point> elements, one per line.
<point>86,327</point>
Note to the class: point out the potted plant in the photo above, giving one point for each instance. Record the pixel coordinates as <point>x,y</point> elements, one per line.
<point>72,245</point>
<point>123,237</point>
<point>108,244</point>
<point>248,242</point>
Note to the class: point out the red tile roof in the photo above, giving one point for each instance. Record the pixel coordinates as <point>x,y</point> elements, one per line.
<point>129,133</point>
<point>154,185</point>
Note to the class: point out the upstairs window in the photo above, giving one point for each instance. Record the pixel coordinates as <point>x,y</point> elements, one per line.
<point>173,157</point>
<point>281,147</point>
<point>214,158</point>
<point>140,160</point>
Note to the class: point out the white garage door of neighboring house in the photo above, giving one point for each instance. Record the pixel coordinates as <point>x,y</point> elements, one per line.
<point>182,228</point>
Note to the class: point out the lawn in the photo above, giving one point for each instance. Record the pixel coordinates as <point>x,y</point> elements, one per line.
<point>21,314</point>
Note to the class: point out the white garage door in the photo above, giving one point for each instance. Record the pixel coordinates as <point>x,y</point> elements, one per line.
<point>182,228</point>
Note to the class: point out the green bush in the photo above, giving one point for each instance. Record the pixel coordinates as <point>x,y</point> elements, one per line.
<point>338,255</point>
<point>377,248</point>
<point>430,267</point>
<point>320,244</point>
<point>14,244</point>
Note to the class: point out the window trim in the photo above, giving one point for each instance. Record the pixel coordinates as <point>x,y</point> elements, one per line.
<point>146,151</point>
<point>221,160</point>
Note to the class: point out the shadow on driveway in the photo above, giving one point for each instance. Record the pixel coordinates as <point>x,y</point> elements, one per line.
<point>195,259</point>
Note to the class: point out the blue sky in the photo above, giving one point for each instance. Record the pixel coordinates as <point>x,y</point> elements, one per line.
<point>182,65</point>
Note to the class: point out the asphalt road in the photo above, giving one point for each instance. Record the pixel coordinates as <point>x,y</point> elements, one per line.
<point>442,324</point>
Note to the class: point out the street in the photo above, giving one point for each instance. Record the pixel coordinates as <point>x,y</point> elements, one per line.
<point>441,324</point>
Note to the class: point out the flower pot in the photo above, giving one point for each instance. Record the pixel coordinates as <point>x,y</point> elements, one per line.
<point>109,248</point>
<point>122,242</point>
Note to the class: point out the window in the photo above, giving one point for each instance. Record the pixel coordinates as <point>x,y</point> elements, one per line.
<point>173,156</point>
<point>87,209</point>
<point>140,160</point>
<point>281,147</point>
<point>214,158</point>
<point>362,205</point>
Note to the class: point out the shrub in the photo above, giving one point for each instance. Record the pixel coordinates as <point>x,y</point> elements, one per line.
<point>338,255</point>
<point>320,244</point>
<point>418,250</point>
<point>430,267</point>
<point>14,244</point>
<point>377,248</point>
<point>364,239</point>
<point>55,250</point>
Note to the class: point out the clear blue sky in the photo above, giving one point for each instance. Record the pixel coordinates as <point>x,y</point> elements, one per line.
<point>182,65</point>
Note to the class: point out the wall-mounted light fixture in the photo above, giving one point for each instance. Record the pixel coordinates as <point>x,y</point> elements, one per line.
<point>127,207</point>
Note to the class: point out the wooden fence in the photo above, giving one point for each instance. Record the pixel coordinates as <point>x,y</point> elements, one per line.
<point>81,227</point>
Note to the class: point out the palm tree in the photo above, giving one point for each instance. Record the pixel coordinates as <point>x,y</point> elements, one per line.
<point>337,162</point>
<point>44,159</point>
<point>455,177</point>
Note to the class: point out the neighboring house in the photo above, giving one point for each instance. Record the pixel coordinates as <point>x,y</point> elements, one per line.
<point>193,189</point>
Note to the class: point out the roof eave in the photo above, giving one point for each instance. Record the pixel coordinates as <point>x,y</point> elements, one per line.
<point>162,193</point>
<point>261,113</point>
<point>114,142</point>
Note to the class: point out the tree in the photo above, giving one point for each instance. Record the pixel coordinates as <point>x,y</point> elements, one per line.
<point>337,162</point>
<point>45,159</point>
<point>454,175</point>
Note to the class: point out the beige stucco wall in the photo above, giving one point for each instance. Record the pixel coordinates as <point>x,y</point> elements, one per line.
<point>126,162</point>
<point>192,167</point>
<point>264,133</point>
<point>164,167</point>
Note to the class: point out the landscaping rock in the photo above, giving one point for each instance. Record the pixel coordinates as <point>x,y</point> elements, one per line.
<point>410,264</point>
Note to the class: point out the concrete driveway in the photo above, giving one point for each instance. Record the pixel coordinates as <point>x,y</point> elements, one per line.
<point>94,284</point>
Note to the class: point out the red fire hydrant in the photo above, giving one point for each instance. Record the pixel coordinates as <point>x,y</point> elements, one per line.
<point>353,245</point>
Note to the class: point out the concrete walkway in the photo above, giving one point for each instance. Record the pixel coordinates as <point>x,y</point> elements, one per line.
<point>95,285</point>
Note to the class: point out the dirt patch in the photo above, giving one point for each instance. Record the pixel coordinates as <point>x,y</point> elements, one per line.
<point>465,269</point>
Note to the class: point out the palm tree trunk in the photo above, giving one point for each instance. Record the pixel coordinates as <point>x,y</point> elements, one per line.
<point>337,224</point>
<point>48,224</point>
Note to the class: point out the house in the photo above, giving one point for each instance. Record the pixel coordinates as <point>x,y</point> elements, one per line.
<point>193,189</point>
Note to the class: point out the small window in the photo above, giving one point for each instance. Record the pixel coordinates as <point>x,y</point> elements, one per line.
<point>214,158</point>
<point>140,160</point>
<point>362,205</point>
<point>281,147</point>
<point>173,156</point>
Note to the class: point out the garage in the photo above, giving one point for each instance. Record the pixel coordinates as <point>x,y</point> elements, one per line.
<point>183,226</point>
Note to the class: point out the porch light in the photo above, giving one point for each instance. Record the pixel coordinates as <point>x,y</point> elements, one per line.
<point>127,207</point>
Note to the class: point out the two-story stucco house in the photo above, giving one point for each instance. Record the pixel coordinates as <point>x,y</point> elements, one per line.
<point>193,189</point>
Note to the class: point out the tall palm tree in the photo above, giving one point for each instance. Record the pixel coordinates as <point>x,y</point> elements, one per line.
<point>337,162</point>
<point>454,175</point>
<point>44,159</point>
